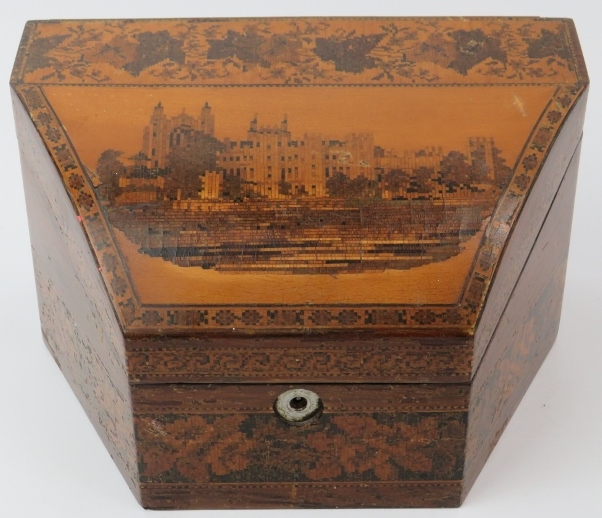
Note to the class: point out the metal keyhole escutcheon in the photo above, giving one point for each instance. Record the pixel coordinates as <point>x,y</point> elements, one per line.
<point>298,406</point>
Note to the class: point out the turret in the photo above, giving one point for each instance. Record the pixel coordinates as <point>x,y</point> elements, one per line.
<point>207,120</point>
<point>253,126</point>
<point>157,112</point>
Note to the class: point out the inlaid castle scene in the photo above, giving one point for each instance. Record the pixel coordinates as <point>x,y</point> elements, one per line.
<point>284,200</point>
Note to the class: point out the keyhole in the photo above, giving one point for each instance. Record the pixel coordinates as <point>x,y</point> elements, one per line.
<point>298,403</point>
<point>298,406</point>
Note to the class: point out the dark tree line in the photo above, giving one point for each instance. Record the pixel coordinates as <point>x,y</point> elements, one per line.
<point>186,163</point>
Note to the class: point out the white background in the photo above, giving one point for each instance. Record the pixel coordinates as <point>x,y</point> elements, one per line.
<point>547,463</point>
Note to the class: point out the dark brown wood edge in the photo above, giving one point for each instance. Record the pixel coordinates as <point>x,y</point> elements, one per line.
<point>306,495</point>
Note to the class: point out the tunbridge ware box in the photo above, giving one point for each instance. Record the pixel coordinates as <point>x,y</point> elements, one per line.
<point>301,262</point>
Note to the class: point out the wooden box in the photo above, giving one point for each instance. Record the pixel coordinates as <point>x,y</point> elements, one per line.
<point>300,262</point>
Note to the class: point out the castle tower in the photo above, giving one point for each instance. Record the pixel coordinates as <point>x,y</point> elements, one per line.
<point>284,124</point>
<point>154,138</point>
<point>253,125</point>
<point>481,149</point>
<point>207,120</point>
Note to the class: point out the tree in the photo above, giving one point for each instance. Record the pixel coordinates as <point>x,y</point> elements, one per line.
<point>189,161</point>
<point>284,187</point>
<point>233,187</point>
<point>109,169</point>
<point>422,180</point>
<point>396,181</point>
<point>361,187</point>
<point>340,186</point>
<point>456,169</point>
<point>337,185</point>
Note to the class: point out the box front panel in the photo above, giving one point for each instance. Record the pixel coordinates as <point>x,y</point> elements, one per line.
<point>403,442</point>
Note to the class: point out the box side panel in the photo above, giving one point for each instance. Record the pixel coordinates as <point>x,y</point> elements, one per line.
<point>78,323</point>
<point>525,333</point>
<point>209,446</point>
<point>527,227</point>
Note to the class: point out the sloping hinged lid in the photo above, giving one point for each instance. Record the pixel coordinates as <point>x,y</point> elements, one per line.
<point>292,175</point>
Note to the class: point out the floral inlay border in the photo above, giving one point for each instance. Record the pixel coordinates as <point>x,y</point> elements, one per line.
<point>300,51</point>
